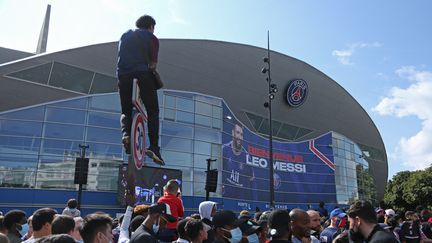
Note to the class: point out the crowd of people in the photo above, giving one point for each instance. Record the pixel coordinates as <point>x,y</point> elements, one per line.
<point>165,221</point>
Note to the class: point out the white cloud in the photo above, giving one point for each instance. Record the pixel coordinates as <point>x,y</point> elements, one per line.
<point>415,100</point>
<point>343,56</point>
<point>175,16</point>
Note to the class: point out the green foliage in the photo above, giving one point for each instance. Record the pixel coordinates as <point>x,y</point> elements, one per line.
<point>407,189</point>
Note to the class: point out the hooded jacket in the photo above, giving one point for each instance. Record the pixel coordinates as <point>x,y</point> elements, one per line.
<point>73,212</point>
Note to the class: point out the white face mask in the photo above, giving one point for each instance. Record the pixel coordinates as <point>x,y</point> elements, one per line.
<point>156,227</point>
<point>253,238</point>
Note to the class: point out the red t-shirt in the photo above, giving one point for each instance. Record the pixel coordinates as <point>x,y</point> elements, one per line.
<point>176,206</point>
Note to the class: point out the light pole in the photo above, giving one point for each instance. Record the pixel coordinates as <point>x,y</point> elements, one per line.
<point>272,89</point>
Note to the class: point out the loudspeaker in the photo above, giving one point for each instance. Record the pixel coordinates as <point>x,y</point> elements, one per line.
<point>211,181</point>
<point>81,170</point>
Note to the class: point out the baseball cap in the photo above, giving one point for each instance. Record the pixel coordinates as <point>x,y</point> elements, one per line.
<point>279,221</point>
<point>379,210</point>
<point>337,212</point>
<point>390,212</point>
<point>163,209</point>
<point>224,217</point>
<point>248,227</point>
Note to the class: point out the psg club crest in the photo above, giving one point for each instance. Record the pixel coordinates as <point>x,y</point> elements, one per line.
<point>297,92</point>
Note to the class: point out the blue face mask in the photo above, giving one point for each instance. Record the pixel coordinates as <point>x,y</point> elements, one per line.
<point>253,238</point>
<point>236,235</point>
<point>24,229</point>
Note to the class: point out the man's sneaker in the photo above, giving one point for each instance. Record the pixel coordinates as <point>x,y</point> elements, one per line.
<point>126,144</point>
<point>154,153</point>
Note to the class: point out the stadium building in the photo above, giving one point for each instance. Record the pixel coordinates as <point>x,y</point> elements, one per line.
<point>325,148</point>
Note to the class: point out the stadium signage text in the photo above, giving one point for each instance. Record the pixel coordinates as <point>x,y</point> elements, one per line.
<point>293,164</point>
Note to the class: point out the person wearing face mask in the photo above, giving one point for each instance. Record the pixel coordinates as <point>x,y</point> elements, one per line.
<point>225,225</point>
<point>300,226</point>
<point>363,224</point>
<point>97,228</point>
<point>207,210</point>
<point>16,224</point>
<point>159,214</point>
<point>250,231</point>
<point>336,217</point>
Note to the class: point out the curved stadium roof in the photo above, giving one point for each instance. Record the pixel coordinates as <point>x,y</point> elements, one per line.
<point>227,70</point>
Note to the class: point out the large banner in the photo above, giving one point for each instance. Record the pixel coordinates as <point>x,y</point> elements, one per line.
<point>303,171</point>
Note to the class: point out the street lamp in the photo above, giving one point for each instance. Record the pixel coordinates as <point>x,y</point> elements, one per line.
<point>272,89</point>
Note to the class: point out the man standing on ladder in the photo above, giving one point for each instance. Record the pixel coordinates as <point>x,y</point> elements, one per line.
<point>137,58</point>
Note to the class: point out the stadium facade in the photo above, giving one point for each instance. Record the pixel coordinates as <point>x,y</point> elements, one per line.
<point>327,148</point>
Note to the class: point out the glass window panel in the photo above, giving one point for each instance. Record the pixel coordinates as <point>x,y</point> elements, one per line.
<point>179,144</point>
<point>35,113</point>
<point>217,112</point>
<point>185,117</point>
<point>176,129</point>
<point>208,135</point>
<point>265,127</point>
<point>202,148</point>
<point>275,127</point>
<point>103,84</point>
<point>96,134</point>
<point>170,101</point>
<point>20,128</point>
<point>175,158</point>
<point>199,189</point>
<point>302,132</point>
<point>101,150</point>
<point>110,102</point>
<point>185,104</point>
<point>287,132</point>
<point>187,188</point>
<point>203,120</point>
<point>200,161</point>
<point>203,108</point>
<point>103,119</point>
<point>11,144</point>
<point>68,77</point>
<point>217,123</point>
<point>209,100</point>
<point>61,147</point>
<point>15,161</point>
<point>65,115</point>
<point>254,120</point>
<point>169,114</point>
<point>57,180</point>
<point>216,150</point>
<point>80,103</point>
<point>37,74</point>
<point>64,131</point>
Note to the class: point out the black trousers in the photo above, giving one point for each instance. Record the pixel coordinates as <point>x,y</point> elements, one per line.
<point>149,97</point>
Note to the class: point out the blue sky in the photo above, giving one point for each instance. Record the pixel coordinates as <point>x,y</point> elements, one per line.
<point>379,51</point>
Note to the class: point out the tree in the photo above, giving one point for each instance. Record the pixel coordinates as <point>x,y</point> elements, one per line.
<point>407,189</point>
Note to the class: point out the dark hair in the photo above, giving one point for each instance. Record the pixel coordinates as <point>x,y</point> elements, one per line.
<point>181,228</point>
<point>193,228</point>
<point>145,22</point>
<point>59,238</point>
<point>13,217</point>
<point>408,214</point>
<point>136,222</point>
<point>72,203</point>
<point>94,223</point>
<point>364,210</point>
<point>41,217</point>
<point>321,204</point>
<point>425,215</point>
<point>62,224</point>
<point>2,227</point>
<point>195,216</point>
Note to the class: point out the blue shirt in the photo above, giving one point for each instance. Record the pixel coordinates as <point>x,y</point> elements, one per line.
<point>327,234</point>
<point>136,48</point>
<point>237,174</point>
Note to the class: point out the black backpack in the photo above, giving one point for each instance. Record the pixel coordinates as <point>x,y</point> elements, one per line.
<point>410,232</point>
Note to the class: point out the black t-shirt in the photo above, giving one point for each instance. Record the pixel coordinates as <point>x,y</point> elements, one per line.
<point>280,241</point>
<point>381,236</point>
<point>143,234</point>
